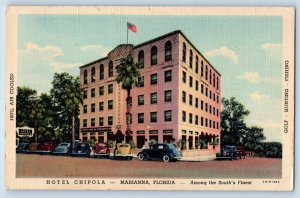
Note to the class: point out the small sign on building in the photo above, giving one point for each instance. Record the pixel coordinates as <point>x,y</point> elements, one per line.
<point>25,131</point>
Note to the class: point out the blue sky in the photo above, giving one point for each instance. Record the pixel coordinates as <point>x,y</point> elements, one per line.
<point>246,50</point>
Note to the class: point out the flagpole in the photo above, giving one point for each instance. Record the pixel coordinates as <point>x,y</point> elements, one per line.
<point>127,32</point>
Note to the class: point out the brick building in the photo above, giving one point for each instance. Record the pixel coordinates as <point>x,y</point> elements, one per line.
<point>178,98</point>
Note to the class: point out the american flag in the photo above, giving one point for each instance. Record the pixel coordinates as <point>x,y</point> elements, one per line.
<point>131,27</point>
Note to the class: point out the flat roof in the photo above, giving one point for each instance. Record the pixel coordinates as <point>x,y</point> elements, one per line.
<point>156,39</point>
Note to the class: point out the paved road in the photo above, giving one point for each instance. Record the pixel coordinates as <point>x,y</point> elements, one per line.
<point>35,165</point>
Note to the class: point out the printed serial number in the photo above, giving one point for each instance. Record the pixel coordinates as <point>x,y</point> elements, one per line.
<point>271,181</point>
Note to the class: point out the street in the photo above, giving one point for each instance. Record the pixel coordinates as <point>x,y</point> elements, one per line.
<point>36,165</point>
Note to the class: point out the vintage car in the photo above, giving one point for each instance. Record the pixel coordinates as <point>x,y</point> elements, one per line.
<point>123,150</point>
<point>240,152</point>
<point>81,149</point>
<point>22,147</point>
<point>165,152</point>
<point>101,149</point>
<point>63,149</point>
<point>33,148</point>
<point>227,152</point>
<point>47,147</point>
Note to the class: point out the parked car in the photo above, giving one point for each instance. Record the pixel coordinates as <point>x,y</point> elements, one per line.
<point>47,147</point>
<point>63,149</point>
<point>101,149</point>
<point>81,149</point>
<point>22,147</point>
<point>241,152</point>
<point>227,152</point>
<point>123,150</point>
<point>165,152</point>
<point>33,148</point>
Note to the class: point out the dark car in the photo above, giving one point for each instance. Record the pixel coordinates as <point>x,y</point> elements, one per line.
<point>47,147</point>
<point>227,152</point>
<point>63,149</point>
<point>101,149</point>
<point>165,152</point>
<point>241,152</point>
<point>81,149</point>
<point>33,148</point>
<point>22,147</point>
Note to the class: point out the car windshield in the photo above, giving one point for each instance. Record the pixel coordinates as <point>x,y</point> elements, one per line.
<point>171,146</point>
<point>63,145</point>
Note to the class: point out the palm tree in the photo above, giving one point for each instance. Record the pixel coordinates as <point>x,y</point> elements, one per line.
<point>128,76</point>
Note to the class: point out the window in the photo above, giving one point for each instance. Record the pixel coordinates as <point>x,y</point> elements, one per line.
<point>168,76</point>
<point>214,83</point>
<point>209,76</point>
<point>183,116</point>
<point>93,107</point>
<point>153,116</point>
<point>110,88</point>
<point>197,85</point>
<point>196,120</point>
<point>110,104</point>
<point>217,112</point>
<point>210,94</point>
<point>141,81</point>
<point>197,65</point>
<point>202,88</point>
<point>206,107</point>
<point>85,93</point>
<point>217,125</point>
<point>201,104</point>
<point>93,74</point>
<point>206,72</point>
<point>184,77</point>
<point>191,59</point>
<point>101,90</point>
<point>168,96</point>
<point>217,99</point>
<point>140,118</point>
<point>168,115</point>
<point>101,72</point>
<point>214,124</point>
<point>217,82</point>
<point>110,120</point>
<point>153,79</point>
<point>202,121</point>
<point>168,51</point>
<point>191,81</point>
<point>153,99</point>
<point>190,99</point>
<point>210,109</point>
<point>93,92</point>
<point>196,102</point>
<point>202,68</point>
<point>85,77</point>
<point>154,55</point>
<point>184,52</point>
<point>84,108</point>
<point>101,106</point>
<point>93,122</point>
<point>141,58</point>
<point>84,122</point>
<point>206,122</point>
<point>206,91</point>
<point>214,111</point>
<point>209,123</point>
<point>183,96</point>
<point>110,69</point>
<point>101,121</point>
<point>191,118</point>
<point>214,97</point>
<point>141,100</point>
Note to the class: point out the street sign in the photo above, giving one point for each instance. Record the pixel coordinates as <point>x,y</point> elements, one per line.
<point>25,132</point>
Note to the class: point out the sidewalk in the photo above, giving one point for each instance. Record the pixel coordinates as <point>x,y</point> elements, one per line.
<point>198,158</point>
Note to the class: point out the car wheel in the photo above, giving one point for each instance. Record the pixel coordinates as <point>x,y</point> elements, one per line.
<point>166,158</point>
<point>141,157</point>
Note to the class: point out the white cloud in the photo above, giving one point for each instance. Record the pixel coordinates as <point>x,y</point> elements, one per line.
<point>223,51</point>
<point>61,66</point>
<point>268,124</point>
<point>97,49</point>
<point>49,52</point>
<point>271,46</point>
<point>257,96</point>
<point>252,77</point>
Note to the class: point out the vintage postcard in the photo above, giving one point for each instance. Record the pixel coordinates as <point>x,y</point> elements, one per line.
<point>150,98</point>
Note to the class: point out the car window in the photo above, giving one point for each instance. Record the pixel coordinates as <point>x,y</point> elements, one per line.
<point>155,146</point>
<point>160,146</point>
<point>63,144</point>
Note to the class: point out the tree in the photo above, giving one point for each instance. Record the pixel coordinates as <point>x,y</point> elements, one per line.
<point>66,97</point>
<point>128,76</point>
<point>253,137</point>
<point>233,126</point>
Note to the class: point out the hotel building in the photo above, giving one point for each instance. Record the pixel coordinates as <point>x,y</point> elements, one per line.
<point>178,97</point>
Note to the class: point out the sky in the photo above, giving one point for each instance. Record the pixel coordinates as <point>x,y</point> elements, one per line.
<point>246,50</point>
